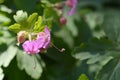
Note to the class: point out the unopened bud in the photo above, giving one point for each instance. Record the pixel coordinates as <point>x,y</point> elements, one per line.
<point>63,20</point>
<point>21,37</point>
<point>69,3</point>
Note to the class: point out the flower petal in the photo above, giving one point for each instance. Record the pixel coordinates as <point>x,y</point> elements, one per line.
<point>74,3</point>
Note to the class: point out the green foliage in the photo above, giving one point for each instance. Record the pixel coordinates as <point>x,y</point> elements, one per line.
<point>15,27</point>
<point>8,55</point>
<point>31,20</point>
<point>91,39</point>
<point>1,1</point>
<point>83,77</point>
<point>27,5</point>
<point>40,24</point>
<point>23,22</point>
<point>4,20</point>
<point>33,23</point>
<point>21,17</point>
<point>111,25</point>
<point>1,74</point>
<point>30,63</point>
<point>110,71</point>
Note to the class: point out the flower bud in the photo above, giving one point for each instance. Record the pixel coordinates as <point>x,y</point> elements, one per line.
<point>21,37</point>
<point>63,20</point>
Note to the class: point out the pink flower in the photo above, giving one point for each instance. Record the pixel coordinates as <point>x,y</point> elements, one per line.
<point>72,4</point>
<point>33,47</point>
<point>41,43</point>
<point>46,36</point>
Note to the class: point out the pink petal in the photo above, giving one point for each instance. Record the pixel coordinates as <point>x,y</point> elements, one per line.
<point>74,3</point>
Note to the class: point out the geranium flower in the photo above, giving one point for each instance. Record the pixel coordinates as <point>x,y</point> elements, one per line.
<point>46,36</point>
<point>41,43</point>
<point>72,4</point>
<point>33,47</point>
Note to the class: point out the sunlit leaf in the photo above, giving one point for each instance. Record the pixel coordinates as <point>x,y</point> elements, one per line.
<point>15,27</point>
<point>30,64</point>
<point>31,20</point>
<point>5,9</point>
<point>1,1</point>
<point>21,17</point>
<point>83,77</point>
<point>7,56</point>
<point>1,74</point>
<point>4,20</point>
<point>38,25</point>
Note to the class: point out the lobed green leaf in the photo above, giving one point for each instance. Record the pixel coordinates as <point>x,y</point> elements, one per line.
<point>21,17</point>
<point>31,20</point>
<point>7,56</point>
<point>110,71</point>
<point>30,64</point>
<point>15,27</point>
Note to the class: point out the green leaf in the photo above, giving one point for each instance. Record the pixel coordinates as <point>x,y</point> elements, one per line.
<point>1,74</point>
<point>83,55</point>
<point>5,9</point>
<point>71,25</point>
<point>103,59</point>
<point>30,64</point>
<point>31,20</point>
<point>15,27</point>
<point>64,33</point>
<point>51,1</point>
<point>83,77</point>
<point>21,17</point>
<point>46,3</point>
<point>7,56</point>
<point>38,25</point>
<point>47,22</point>
<point>23,23</point>
<point>111,25</point>
<point>1,1</point>
<point>111,71</point>
<point>1,34</point>
<point>4,20</point>
<point>51,14</point>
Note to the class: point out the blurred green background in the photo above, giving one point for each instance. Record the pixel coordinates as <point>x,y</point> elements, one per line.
<point>91,38</point>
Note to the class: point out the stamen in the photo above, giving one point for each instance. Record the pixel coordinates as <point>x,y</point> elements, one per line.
<point>30,38</point>
<point>61,50</point>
